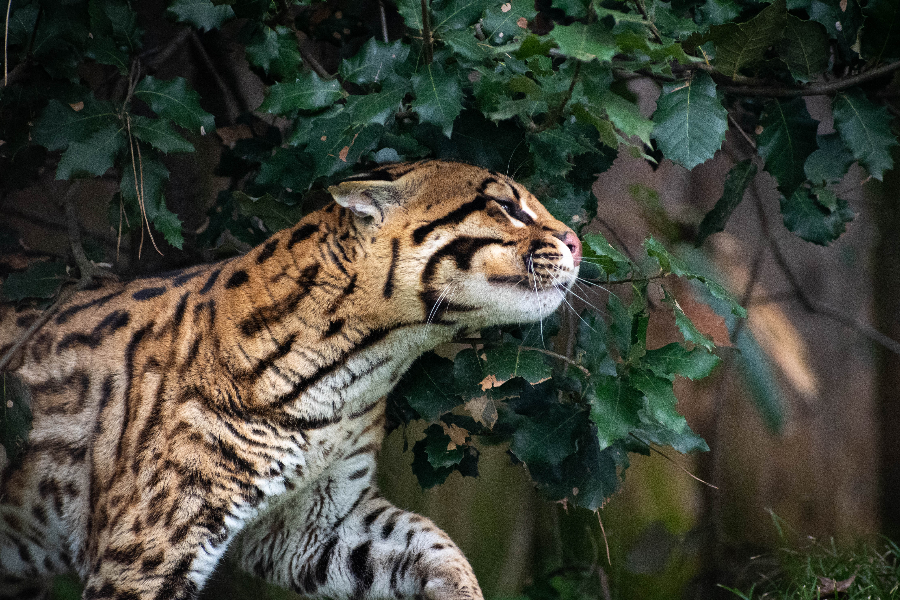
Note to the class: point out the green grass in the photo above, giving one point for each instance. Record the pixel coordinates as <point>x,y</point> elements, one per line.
<point>810,572</point>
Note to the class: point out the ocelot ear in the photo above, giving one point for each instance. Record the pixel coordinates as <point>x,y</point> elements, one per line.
<point>370,199</point>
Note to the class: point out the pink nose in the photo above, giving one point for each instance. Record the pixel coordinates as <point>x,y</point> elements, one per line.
<point>573,244</point>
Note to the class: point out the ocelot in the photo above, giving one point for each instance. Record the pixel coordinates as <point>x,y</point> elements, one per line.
<point>240,404</point>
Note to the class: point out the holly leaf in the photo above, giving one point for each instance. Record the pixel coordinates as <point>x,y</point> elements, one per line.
<point>59,124</point>
<point>506,21</point>
<point>865,129</point>
<point>202,14</point>
<point>598,250</point>
<point>438,97</point>
<point>429,386</point>
<point>448,15</point>
<point>42,279</point>
<point>830,162</point>
<point>151,185</point>
<point>804,48</point>
<point>625,115</point>
<point>274,214</point>
<point>736,184</point>
<point>787,139</point>
<point>93,157</point>
<point>670,263</point>
<point>308,92</point>
<point>547,437</point>
<point>813,220</point>
<point>172,99</point>
<point>661,423</point>
<point>687,328</point>
<point>375,107</point>
<point>437,448</point>
<point>15,420</point>
<point>614,408</point>
<point>690,121</point>
<point>881,36</point>
<point>159,134</point>
<point>742,45</point>
<point>274,51</point>
<point>374,62</point>
<point>674,359</point>
<point>585,42</point>
<point>510,360</point>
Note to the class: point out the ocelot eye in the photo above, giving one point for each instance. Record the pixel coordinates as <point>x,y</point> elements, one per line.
<point>507,205</point>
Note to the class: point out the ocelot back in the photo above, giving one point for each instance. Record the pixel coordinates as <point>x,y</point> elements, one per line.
<point>240,404</point>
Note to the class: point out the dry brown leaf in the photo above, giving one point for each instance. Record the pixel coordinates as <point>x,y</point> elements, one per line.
<point>456,434</point>
<point>831,587</point>
<point>484,410</point>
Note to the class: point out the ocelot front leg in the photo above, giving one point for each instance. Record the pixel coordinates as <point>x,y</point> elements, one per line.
<point>343,540</point>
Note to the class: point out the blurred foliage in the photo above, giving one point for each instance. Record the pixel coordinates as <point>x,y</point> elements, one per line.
<point>537,90</point>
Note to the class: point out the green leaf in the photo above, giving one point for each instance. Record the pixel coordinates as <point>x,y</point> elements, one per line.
<point>42,279</point>
<point>438,97</point>
<point>865,129</point>
<point>804,48</point>
<point>585,42</point>
<point>830,162</point>
<point>374,62</point>
<point>813,220</point>
<point>736,184</point>
<point>614,408</point>
<point>174,100</point>
<point>690,121</point>
<point>430,386</point>
<point>573,8</point>
<point>787,140</point>
<point>742,45</point>
<point>506,21</point>
<point>288,169</point>
<point>15,418</point>
<point>842,20</point>
<point>274,214</point>
<point>59,124</point>
<point>625,115</point>
<point>510,360</point>
<point>274,51</point>
<point>151,182</point>
<point>307,92</point>
<point>661,422</point>
<point>674,359</point>
<point>202,14</point>
<point>436,448</point>
<point>881,36</point>
<point>591,345</point>
<point>93,157</point>
<point>450,15</point>
<point>687,328</point>
<point>159,134</point>
<point>599,251</point>
<point>717,12</point>
<point>546,437</point>
<point>672,264</point>
<point>336,142</point>
<point>375,107</point>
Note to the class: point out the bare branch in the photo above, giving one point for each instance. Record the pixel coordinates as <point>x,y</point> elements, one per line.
<point>820,89</point>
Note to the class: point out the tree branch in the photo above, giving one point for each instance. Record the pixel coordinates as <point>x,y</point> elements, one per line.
<point>820,89</point>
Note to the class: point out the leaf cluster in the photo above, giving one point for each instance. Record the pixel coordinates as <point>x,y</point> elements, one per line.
<point>543,95</point>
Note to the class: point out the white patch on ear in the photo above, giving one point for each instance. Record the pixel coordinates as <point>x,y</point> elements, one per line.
<point>367,198</point>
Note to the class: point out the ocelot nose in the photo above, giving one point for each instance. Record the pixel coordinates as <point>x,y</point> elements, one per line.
<point>572,243</point>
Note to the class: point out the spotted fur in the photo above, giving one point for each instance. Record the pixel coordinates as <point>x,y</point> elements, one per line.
<point>239,404</point>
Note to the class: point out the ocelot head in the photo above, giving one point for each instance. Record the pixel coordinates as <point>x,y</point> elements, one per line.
<point>462,244</point>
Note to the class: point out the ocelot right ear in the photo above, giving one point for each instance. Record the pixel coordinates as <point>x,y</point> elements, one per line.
<point>370,198</point>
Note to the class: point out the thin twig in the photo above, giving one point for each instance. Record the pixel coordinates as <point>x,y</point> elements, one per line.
<point>426,33</point>
<point>6,44</point>
<point>384,27</point>
<point>743,133</point>
<point>673,461</point>
<point>308,58</point>
<point>815,306</point>
<point>605,541</point>
<point>89,271</point>
<point>480,342</point>
<point>643,10</point>
<point>820,89</point>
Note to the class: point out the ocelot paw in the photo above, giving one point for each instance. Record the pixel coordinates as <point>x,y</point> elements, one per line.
<point>448,588</point>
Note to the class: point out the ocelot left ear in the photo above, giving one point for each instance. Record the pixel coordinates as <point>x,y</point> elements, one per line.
<point>369,199</point>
